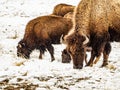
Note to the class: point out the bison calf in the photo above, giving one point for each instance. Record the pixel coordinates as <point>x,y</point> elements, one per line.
<point>41,33</point>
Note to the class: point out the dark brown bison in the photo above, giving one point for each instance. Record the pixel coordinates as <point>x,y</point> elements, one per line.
<point>96,24</point>
<point>41,33</point>
<point>62,9</point>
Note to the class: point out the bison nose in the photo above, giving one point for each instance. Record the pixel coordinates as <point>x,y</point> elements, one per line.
<point>77,67</point>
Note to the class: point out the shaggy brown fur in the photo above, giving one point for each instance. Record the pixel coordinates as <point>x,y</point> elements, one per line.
<point>62,9</point>
<point>41,33</point>
<point>69,15</point>
<point>99,20</point>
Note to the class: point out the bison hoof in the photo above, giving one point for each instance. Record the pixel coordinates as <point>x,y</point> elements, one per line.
<point>52,59</point>
<point>104,64</point>
<point>40,57</point>
<point>77,67</point>
<point>89,64</point>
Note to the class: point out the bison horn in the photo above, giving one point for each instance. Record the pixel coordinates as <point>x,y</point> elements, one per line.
<point>86,40</point>
<point>62,39</point>
<point>19,45</point>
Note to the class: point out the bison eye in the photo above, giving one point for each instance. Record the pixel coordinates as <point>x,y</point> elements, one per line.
<point>73,40</point>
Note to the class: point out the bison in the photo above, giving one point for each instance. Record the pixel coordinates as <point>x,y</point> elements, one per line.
<point>41,33</point>
<point>96,24</point>
<point>62,9</point>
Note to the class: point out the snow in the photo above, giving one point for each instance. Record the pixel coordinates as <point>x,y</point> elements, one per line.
<point>44,74</point>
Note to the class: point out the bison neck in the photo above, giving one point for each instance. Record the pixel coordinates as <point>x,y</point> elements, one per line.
<point>82,16</point>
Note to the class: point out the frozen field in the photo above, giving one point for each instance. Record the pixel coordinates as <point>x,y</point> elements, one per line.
<point>35,74</point>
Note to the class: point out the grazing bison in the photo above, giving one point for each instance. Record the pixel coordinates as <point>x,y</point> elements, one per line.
<point>96,24</point>
<point>62,9</point>
<point>41,33</point>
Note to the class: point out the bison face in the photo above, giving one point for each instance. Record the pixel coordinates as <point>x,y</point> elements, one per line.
<point>23,50</point>
<point>76,45</point>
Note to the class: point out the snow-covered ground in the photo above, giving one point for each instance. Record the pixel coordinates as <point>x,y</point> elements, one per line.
<point>35,74</point>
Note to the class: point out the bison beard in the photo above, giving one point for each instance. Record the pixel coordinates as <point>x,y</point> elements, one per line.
<point>41,33</point>
<point>100,22</point>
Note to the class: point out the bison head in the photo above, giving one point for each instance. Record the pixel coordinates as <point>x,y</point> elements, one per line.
<point>23,50</point>
<point>76,44</point>
<point>65,56</point>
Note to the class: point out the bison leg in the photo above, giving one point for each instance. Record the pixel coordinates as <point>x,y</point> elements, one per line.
<point>106,53</point>
<point>42,50</point>
<point>96,52</point>
<point>97,59</point>
<point>93,54</point>
<point>92,61</point>
<point>99,46</point>
<point>51,51</point>
<point>40,56</point>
